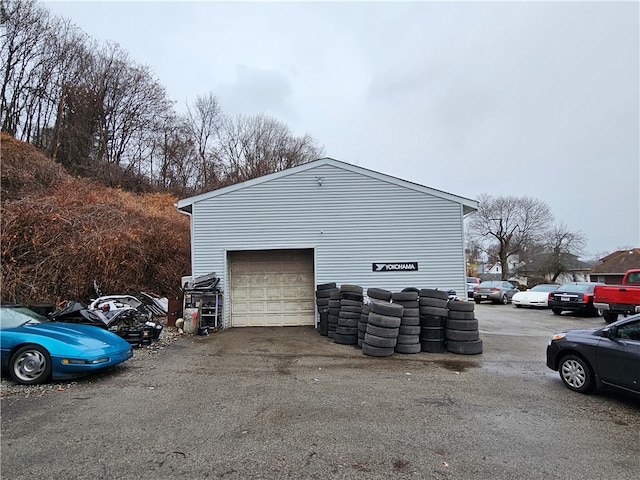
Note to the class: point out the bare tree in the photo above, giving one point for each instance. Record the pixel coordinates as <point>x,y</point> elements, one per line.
<point>204,120</point>
<point>23,36</point>
<point>253,146</point>
<point>562,245</point>
<point>509,224</point>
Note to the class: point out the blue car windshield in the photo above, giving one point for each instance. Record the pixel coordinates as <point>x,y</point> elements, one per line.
<point>11,317</point>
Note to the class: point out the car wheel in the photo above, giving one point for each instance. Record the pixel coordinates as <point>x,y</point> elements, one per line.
<point>505,300</point>
<point>576,374</point>
<point>477,300</point>
<point>556,311</point>
<point>30,365</point>
<point>609,317</point>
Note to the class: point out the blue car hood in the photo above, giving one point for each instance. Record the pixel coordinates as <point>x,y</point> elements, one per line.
<point>82,337</point>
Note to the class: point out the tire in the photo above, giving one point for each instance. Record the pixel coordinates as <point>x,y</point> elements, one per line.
<point>351,309</point>
<point>408,339</point>
<point>410,312</point>
<point>408,348</point>
<point>462,335</point>
<point>411,289</point>
<point>382,331</point>
<point>432,334</point>
<point>430,292</point>
<point>432,322</point>
<point>384,342</point>
<point>609,316</point>
<point>575,374</point>
<point>409,329</point>
<point>556,311</point>
<point>433,312</point>
<point>326,286</point>
<point>398,297</point>
<point>379,294</point>
<point>349,315</point>
<point>31,364</point>
<point>345,330</point>
<point>432,302</point>
<point>432,346</point>
<point>505,300</point>
<point>354,297</point>
<point>410,321</point>
<point>477,300</point>
<point>372,351</point>
<point>388,309</point>
<point>345,302</point>
<point>457,306</point>
<point>465,348</point>
<point>384,320</point>
<point>348,322</point>
<point>461,315</point>
<point>461,324</point>
<point>351,288</point>
<point>345,339</point>
<point>323,293</point>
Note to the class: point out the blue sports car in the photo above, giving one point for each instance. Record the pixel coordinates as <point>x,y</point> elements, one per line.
<point>36,349</point>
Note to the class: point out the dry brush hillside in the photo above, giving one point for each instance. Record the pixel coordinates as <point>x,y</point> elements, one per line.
<point>60,233</point>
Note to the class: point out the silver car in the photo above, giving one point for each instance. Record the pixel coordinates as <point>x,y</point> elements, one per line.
<point>495,291</point>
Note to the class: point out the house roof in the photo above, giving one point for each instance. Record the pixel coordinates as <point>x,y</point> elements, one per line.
<point>539,262</point>
<point>469,206</point>
<point>617,263</point>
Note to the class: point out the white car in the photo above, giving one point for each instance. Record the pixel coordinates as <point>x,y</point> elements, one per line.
<point>537,296</point>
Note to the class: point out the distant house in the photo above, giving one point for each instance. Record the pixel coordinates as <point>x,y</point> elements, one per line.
<point>612,268</point>
<point>575,270</point>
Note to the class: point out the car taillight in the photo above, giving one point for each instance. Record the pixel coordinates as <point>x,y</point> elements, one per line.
<point>475,289</point>
<point>550,296</point>
<point>585,298</point>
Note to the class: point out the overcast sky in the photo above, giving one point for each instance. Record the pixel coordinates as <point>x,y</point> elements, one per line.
<point>538,99</point>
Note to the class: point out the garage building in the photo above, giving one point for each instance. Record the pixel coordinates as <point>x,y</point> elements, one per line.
<point>272,239</point>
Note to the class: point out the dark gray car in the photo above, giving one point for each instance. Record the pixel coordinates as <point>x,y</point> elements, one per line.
<point>496,291</point>
<point>595,358</point>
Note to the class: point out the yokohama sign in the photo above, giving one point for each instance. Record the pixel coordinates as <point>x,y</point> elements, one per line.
<point>395,267</point>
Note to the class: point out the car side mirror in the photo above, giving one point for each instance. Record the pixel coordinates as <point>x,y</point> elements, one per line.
<point>609,332</point>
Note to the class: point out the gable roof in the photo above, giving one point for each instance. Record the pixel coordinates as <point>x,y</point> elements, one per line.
<point>469,206</point>
<point>617,263</point>
<point>539,263</point>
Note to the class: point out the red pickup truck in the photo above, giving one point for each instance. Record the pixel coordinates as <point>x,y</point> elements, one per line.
<point>623,299</point>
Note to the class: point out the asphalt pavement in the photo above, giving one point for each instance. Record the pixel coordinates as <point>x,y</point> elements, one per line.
<point>275,403</point>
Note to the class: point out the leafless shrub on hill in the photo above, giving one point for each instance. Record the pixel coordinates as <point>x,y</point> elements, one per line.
<point>56,240</point>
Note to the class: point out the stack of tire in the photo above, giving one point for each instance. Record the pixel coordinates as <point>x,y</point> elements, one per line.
<point>334,311</point>
<point>323,293</point>
<point>409,331</point>
<point>373,295</point>
<point>383,327</point>
<point>433,317</point>
<point>362,324</point>
<point>351,303</point>
<point>461,329</point>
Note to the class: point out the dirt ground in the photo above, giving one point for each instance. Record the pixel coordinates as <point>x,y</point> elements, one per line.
<point>262,403</point>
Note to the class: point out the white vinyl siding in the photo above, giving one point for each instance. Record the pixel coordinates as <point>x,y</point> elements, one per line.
<point>352,219</point>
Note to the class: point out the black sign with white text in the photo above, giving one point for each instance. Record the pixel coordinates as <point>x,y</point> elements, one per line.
<point>395,267</point>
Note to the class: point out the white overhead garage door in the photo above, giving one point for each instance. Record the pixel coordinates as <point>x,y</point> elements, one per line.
<point>272,288</point>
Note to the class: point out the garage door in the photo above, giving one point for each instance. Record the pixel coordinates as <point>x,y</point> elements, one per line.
<point>271,288</point>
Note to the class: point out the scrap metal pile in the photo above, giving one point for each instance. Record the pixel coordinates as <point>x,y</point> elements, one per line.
<point>138,321</point>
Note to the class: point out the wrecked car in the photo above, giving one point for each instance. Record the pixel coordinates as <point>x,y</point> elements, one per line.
<point>125,315</point>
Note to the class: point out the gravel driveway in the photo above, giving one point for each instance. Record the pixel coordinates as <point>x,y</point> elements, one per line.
<point>289,403</point>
